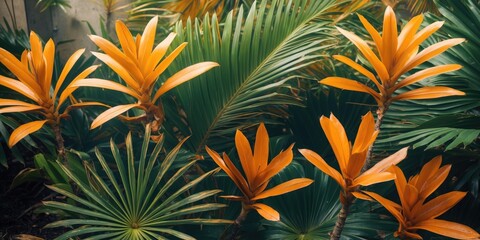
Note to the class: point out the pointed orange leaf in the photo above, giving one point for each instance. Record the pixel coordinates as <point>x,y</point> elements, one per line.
<point>126,39</point>
<point>152,76</point>
<point>360,69</point>
<point>389,37</point>
<point>66,69</point>
<point>348,84</point>
<point>107,84</point>
<point>366,134</point>
<point>283,188</point>
<point>49,58</point>
<point>183,76</point>
<point>447,228</point>
<point>389,161</point>
<point>14,109</point>
<point>69,90</point>
<point>261,148</point>
<point>369,179</point>
<point>233,198</point>
<point>426,73</point>
<point>239,179</point>
<point>407,34</point>
<point>337,137</point>
<point>18,69</point>
<point>435,181</point>
<point>23,130</point>
<point>438,206</point>
<point>245,154</point>
<point>392,207</point>
<point>19,87</point>
<point>318,161</point>
<point>121,70</point>
<point>373,33</point>
<point>111,113</point>
<point>278,163</point>
<point>159,52</point>
<point>368,54</point>
<point>362,196</point>
<point>428,93</point>
<point>428,171</point>
<point>266,211</point>
<point>146,42</point>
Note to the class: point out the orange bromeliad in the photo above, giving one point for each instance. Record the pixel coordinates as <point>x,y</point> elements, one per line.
<point>414,213</point>
<point>351,159</point>
<point>398,55</point>
<point>140,67</point>
<point>258,173</point>
<point>34,72</point>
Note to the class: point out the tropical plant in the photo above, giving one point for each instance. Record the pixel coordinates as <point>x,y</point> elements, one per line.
<point>351,161</point>
<point>138,199</point>
<point>140,67</point>
<point>34,72</point>
<point>415,213</point>
<point>258,173</point>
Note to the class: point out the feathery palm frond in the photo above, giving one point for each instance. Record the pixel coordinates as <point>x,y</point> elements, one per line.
<point>257,56</point>
<point>139,202</point>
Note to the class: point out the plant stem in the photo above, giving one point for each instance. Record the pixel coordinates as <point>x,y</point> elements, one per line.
<point>341,219</point>
<point>380,114</point>
<point>232,231</point>
<point>60,141</point>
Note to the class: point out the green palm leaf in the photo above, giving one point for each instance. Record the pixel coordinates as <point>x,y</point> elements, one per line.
<point>139,202</point>
<point>257,54</point>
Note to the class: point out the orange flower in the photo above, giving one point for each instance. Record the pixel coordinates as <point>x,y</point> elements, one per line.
<point>195,8</point>
<point>351,159</point>
<point>140,67</point>
<point>414,213</point>
<point>258,173</point>
<point>34,72</point>
<point>398,55</point>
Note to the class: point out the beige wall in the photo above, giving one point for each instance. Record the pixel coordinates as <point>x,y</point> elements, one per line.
<point>17,8</point>
<point>68,26</point>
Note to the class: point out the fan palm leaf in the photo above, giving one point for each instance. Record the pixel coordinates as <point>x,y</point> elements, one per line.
<point>257,54</point>
<point>139,202</point>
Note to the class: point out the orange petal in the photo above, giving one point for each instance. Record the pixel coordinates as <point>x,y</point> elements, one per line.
<point>266,212</point>
<point>66,69</point>
<point>426,73</point>
<point>278,163</point>
<point>15,109</point>
<point>438,206</point>
<point>152,76</point>
<point>389,161</point>
<point>447,228</point>
<point>107,84</point>
<point>233,198</point>
<point>245,154</point>
<point>158,54</point>
<point>430,52</point>
<point>369,179</point>
<point>146,42</point>
<point>373,33</point>
<point>283,188</point>
<point>126,39</point>
<point>69,90</point>
<point>400,182</point>
<point>428,171</point>
<point>362,196</point>
<point>366,134</point>
<point>19,69</point>
<point>111,113</point>
<point>389,37</point>
<point>411,197</point>
<point>360,69</point>
<point>428,93</point>
<point>19,87</point>
<point>239,179</point>
<point>338,140</point>
<point>348,84</point>
<point>260,153</point>
<point>184,75</point>
<point>49,58</point>
<point>368,53</point>
<point>240,182</point>
<point>435,181</point>
<point>318,161</point>
<point>36,50</point>
<point>123,71</point>
<point>392,207</point>
<point>407,34</point>
<point>23,130</point>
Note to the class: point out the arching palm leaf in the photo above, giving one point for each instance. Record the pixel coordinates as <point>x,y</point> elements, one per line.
<point>257,56</point>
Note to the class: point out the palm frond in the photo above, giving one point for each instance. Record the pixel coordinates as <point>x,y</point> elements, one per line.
<point>257,56</point>
<point>139,202</point>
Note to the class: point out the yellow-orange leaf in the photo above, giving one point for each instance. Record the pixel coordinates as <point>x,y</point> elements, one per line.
<point>428,93</point>
<point>285,187</point>
<point>266,212</point>
<point>426,73</point>
<point>184,75</point>
<point>348,84</point>
<point>23,130</point>
<point>448,229</point>
<point>107,84</point>
<point>318,161</point>
<point>66,69</point>
<point>438,205</point>
<point>111,113</point>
